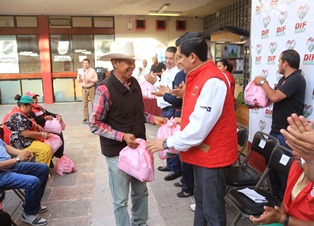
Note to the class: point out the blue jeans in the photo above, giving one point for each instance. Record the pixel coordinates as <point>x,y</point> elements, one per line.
<point>119,183</point>
<point>209,194</point>
<point>29,176</point>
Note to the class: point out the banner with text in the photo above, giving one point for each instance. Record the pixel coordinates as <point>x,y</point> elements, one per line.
<point>277,25</point>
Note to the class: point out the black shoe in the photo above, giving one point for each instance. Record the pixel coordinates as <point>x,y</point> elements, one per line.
<point>172,176</point>
<point>85,121</point>
<point>163,168</point>
<point>178,184</point>
<point>182,194</point>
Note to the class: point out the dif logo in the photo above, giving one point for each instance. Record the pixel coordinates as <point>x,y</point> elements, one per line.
<point>309,58</point>
<point>280,31</point>
<point>265,32</point>
<point>258,58</point>
<point>259,8</point>
<point>302,12</point>
<point>272,58</point>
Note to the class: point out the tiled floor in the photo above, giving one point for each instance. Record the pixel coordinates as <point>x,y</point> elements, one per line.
<point>83,198</point>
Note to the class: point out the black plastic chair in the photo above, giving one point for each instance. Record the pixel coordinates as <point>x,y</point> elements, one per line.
<point>246,175</point>
<point>243,135</point>
<point>248,207</point>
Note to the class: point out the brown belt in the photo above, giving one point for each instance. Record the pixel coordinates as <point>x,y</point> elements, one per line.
<point>83,87</point>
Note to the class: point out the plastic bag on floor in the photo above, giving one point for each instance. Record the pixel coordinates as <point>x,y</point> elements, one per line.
<point>65,166</point>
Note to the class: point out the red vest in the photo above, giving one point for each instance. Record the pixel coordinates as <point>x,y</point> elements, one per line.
<point>302,207</point>
<point>219,149</point>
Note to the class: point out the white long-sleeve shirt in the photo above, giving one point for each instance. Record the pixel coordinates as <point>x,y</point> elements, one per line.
<point>166,79</point>
<point>207,111</point>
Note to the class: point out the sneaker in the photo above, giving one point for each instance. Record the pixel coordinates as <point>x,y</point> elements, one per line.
<point>85,121</point>
<point>192,207</point>
<point>42,209</point>
<point>34,220</point>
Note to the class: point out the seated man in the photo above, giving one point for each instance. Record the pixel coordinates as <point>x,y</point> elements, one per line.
<point>19,173</point>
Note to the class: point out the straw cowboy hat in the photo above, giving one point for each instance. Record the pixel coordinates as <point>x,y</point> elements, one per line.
<point>120,50</point>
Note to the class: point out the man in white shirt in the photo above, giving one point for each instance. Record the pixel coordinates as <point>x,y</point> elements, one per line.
<point>208,136</point>
<point>167,110</point>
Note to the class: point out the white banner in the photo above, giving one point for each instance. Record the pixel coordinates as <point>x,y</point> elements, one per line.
<point>275,27</point>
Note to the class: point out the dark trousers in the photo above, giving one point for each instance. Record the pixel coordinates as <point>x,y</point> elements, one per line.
<point>187,178</point>
<point>209,193</point>
<point>60,151</point>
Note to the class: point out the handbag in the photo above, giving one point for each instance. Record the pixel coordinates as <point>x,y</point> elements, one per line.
<point>138,162</point>
<point>165,131</point>
<point>65,166</point>
<point>255,96</point>
<point>54,126</point>
<point>54,141</point>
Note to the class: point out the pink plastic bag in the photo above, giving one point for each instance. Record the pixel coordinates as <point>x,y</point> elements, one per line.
<point>255,96</point>
<point>165,131</point>
<point>138,163</point>
<point>54,126</point>
<point>65,166</point>
<point>147,90</point>
<point>54,141</point>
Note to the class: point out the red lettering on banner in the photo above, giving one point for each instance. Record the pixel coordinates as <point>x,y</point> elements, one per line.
<point>281,29</point>
<point>258,58</point>
<point>265,32</point>
<point>308,57</point>
<point>300,25</point>
<point>271,58</point>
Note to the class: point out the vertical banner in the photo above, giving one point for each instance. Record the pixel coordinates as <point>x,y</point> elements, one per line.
<point>277,25</point>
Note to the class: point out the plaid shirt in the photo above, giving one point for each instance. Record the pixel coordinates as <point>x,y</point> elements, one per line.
<point>101,106</point>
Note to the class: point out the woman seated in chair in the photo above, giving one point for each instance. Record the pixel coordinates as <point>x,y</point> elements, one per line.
<point>41,115</point>
<point>297,208</point>
<point>22,132</point>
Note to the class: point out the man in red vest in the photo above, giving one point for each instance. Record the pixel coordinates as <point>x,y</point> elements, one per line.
<point>208,136</point>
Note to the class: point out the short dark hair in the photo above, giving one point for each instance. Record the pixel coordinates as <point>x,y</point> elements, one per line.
<point>171,49</point>
<point>292,57</point>
<point>192,42</point>
<point>86,59</point>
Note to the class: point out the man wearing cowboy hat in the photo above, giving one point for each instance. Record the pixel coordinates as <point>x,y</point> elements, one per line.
<point>118,118</point>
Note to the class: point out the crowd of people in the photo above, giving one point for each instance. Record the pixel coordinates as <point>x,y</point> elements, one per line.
<point>199,94</point>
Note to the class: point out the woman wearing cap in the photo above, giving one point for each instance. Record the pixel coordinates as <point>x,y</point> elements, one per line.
<point>22,132</point>
<point>41,115</point>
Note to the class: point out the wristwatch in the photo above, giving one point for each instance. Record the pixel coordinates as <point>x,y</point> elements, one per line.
<point>17,159</point>
<point>164,144</point>
<point>262,82</point>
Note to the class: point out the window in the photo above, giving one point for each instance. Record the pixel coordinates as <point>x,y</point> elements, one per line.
<point>6,21</point>
<point>26,21</point>
<point>81,22</point>
<point>140,24</point>
<point>28,52</point>
<point>61,53</point>
<point>107,22</point>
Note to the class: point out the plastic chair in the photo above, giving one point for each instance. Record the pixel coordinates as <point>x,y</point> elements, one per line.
<point>245,174</point>
<point>248,207</point>
<point>243,135</point>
